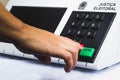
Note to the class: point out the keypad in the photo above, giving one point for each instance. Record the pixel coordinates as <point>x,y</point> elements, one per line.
<point>90,29</point>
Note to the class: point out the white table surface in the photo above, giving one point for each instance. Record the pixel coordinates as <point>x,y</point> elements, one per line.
<point>12,68</point>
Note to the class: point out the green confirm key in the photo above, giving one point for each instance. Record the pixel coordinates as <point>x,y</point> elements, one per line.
<point>87,52</point>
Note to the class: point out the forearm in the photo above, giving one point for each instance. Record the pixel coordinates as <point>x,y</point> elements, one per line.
<point>40,43</point>
<point>10,26</point>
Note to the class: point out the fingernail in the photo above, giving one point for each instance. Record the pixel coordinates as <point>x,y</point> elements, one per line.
<point>82,46</point>
<point>67,70</point>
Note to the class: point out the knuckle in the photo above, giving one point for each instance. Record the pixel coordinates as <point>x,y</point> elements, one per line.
<point>75,51</point>
<point>68,57</point>
<point>77,45</point>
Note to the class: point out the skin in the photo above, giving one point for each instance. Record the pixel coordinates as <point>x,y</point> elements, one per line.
<point>40,43</point>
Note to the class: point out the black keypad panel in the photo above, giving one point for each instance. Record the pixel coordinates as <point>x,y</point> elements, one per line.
<point>90,29</point>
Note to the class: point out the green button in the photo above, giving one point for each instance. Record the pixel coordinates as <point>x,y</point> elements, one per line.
<point>87,52</point>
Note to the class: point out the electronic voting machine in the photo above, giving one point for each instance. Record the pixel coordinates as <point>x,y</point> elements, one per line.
<point>93,23</point>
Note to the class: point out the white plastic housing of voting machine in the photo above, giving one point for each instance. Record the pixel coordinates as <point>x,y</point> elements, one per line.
<point>94,23</point>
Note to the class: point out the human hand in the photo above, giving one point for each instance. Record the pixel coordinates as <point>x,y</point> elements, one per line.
<point>44,44</point>
<point>40,43</point>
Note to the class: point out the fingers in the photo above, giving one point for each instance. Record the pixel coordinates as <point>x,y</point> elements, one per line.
<point>70,62</point>
<point>72,43</point>
<point>70,56</point>
<point>66,55</point>
<point>43,59</point>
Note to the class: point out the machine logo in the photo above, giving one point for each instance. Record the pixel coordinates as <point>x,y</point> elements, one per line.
<point>82,5</point>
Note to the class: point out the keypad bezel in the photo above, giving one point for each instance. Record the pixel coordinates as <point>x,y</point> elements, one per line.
<point>103,20</point>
